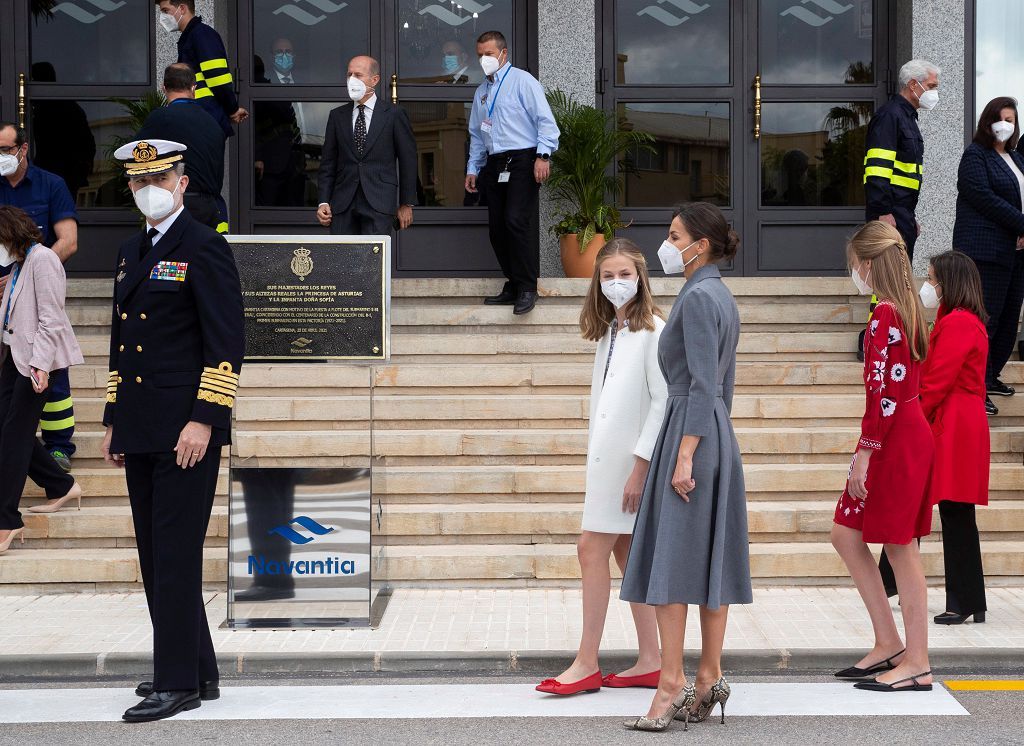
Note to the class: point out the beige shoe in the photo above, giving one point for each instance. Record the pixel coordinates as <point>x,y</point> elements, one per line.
<point>52,506</point>
<point>6,544</point>
<point>684,701</point>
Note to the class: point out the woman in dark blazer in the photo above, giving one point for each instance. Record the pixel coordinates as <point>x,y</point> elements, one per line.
<point>989,228</point>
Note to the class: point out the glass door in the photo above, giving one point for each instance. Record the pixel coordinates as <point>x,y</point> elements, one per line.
<point>758,106</point>
<point>820,70</point>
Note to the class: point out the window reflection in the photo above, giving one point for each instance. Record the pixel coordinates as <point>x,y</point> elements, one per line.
<point>442,145</point>
<point>310,43</point>
<point>816,42</point>
<point>76,141</point>
<point>672,42</point>
<point>812,153</point>
<point>690,160</point>
<point>90,42</point>
<point>437,38</point>
<point>288,143</point>
<point>999,56</point>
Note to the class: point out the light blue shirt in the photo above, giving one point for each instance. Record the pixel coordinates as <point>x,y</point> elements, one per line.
<point>519,113</point>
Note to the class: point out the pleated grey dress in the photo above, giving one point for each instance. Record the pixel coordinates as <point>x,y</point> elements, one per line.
<point>695,552</point>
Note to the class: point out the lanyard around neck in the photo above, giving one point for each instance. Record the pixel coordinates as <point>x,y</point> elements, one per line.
<point>490,109</point>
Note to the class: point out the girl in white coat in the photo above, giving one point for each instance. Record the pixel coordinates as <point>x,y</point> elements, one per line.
<point>627,405</point>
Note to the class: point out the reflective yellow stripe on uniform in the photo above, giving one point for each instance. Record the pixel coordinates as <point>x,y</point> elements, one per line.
<point>907,168</point>
<point>905,182</point>
<point>58,406</point>
<point>200,77</point>
<point>203,92</point>
<point>57,424</point>
<point>219,80</point>
<point>885,155</point>
<point>213,64</point>
<point>222,227</point>
<point>884,173</point>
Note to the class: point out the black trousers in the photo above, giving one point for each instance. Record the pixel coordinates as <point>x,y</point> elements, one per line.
<point>361,219</point>
<point>961,557</point>
<point>204,208</point>
<point>1003,288</point>
<point>171,509</point>
<point>906,224</point>
<point>22,455</point>
<point>512,216</point>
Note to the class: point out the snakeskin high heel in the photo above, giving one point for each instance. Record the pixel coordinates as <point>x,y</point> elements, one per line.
<point>683,702</point>
<point>717,694</point>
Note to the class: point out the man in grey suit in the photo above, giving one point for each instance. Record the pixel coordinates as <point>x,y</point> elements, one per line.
<point>361,193</point>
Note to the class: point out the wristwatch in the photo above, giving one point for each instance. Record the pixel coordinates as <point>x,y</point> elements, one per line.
<point>544,156</point>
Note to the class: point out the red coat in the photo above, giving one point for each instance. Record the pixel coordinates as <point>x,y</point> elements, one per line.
<point>896,510</point>
<point>953,397</point>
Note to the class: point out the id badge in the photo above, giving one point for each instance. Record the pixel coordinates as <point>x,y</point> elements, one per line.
<point>485,126</point>
<point>503,177</point>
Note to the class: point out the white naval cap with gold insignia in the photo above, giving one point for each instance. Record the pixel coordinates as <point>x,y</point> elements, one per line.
<point>142,157</point>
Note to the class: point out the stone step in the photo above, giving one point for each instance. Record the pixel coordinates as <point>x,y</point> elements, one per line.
<point>807,562</point>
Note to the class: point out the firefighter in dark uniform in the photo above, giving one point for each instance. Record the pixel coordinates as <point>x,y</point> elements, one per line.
<point>894,157</point>
<point>176,347</point>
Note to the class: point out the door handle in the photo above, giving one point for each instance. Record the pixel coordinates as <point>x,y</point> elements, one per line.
<point>757,107</point>
<point>21,100</point>
<point>394,88</point>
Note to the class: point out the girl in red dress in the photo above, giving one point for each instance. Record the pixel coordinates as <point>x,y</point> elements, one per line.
<point>953,398</point>
<point>886,496</point>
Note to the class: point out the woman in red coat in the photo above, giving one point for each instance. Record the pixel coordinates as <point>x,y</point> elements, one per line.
<point>953,398</point>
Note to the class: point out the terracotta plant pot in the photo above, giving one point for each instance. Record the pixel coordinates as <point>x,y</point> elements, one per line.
<point>577,263</point>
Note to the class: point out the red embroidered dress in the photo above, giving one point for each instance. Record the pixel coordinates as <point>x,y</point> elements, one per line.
<point>897,509</point>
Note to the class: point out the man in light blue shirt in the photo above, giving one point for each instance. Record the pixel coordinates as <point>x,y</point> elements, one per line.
<point>512,134</point>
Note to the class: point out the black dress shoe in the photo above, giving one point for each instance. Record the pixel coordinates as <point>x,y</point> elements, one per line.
<point>506,297</point>
<point>160,705</point>
<point>1000,389</point>
<point>870,672</point>
<point>262,593</point>
<point>951,617</point>
<point>990,409</point>
<point>878,686</point>
<point>525,302</point>
<point>208,690</point>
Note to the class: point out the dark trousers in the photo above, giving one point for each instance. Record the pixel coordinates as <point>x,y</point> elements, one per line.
<point>1003,288</point>
<point>906,224</point>
<point>58,420</point>
<point>961,557</point>
<point>512,217</point>
<point>361,219</point>
<point>171,509</point>
<point>269,501</point>
<point>21,454</point>
<point>204,208</point>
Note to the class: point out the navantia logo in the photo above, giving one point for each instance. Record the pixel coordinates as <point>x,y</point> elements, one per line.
<point>812,19</point>
<point>294,536</point>
<point>445,15</point>
<point>320,10</point>
<point>82,15</point>
<point>661,15</point>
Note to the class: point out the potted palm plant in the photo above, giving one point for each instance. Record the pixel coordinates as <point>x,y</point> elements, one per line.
<point>582,184</point>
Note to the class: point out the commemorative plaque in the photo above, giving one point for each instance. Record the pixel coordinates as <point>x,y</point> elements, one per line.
<point>310,298</point>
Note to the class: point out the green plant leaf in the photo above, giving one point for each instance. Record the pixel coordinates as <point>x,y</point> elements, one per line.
<point>587,236</point>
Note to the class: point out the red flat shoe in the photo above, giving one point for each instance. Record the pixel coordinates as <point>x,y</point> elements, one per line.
<point>553,686</point>
<point>644,681</point>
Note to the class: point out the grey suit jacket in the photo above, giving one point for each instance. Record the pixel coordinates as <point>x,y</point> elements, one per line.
<point>38,332</point>
<point>389,142</point>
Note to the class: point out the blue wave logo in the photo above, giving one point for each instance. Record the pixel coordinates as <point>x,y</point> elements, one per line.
<point>294,536</point>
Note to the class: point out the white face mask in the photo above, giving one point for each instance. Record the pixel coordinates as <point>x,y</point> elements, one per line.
<point>9,164</point>
<point>356,89</point>
<point>620,292</point>
<point>929,298</point>
<point>672,258</point>
<point>168,22</point>
<point>6,260</point>
<point>928,100</point>
<point>862,285</point>
<point>156,202</point>
<point>490,64</point>
<point>1003,131</point>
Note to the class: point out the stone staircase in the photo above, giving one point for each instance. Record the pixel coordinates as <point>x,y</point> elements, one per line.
<point>480,440</point>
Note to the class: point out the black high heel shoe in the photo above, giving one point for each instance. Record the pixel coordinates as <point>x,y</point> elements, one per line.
<point>864,673</point>
<point>878,686</point>
<point>951,617</point>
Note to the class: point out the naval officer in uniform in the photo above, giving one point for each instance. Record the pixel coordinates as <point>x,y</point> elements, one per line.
<point>176,347</point>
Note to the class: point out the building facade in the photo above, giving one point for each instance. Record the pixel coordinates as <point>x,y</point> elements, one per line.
<point>759,106</point>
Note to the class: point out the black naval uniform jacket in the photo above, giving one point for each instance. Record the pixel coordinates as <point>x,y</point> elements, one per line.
<point>177,338</point>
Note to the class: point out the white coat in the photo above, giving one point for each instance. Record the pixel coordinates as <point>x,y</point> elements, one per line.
<point>626,412</point>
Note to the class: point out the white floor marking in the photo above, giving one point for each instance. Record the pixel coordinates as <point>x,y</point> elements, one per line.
<point>434,701</point>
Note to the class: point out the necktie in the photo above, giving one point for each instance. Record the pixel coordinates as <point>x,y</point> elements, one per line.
<point>359,133</point>
<point>147,242</point>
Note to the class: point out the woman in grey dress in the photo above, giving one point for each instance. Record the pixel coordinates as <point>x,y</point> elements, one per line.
<point>690,543</point>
